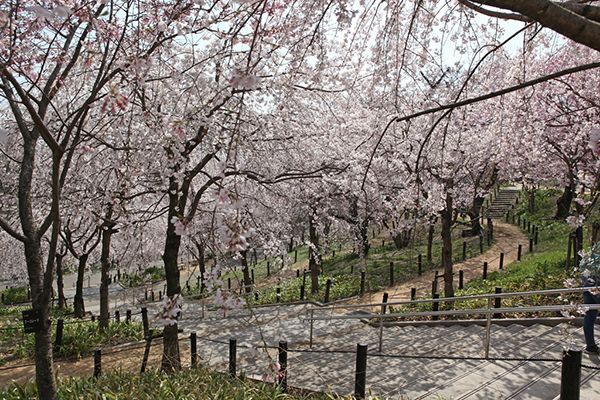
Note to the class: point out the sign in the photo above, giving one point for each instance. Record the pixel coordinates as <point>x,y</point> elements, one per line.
<point>31,321</point>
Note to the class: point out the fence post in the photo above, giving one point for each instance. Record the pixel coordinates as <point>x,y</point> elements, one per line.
<point>501,261</point>
<point>302,292</point>
<point>420,264</point>
<point>232,356</point>
<point>145,321</point>
<point>117,316</point>
<point>413,293</point>
<point>194,349</point>
<point>531,245</point>
<point>384,302</point>
<point>570,377</point>
<point>461,279</point>
<point>268,268</point>
<point>60,324</point>
<point>127,316</point>
<point>278,294</point>
<point>485,270</point>
<point>252,272</point>
<point>327,290</point>
<point>282,376</point>
<point>362,283</point>
<point>498,302</point>
<point>434,286</point>
<point>464,250</point>
<point>435,306</point>
<point>519,251</point>
<point>360,380</point>
<point>480,243</point>
<point>97,363</point>
<point>152,295</point>
<point>391,273</point>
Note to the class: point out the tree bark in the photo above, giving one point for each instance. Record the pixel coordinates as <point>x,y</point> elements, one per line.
<point>246,272</point>
<point>62,300</point>
<point>475,215</point>
<point>78,303</point>
<point>430,236</point>
<point>531,200</point>
<point>447,247</point>
<point>563,204</point>
<point>171,359</point>
<point>107,232</point>
<point>314,259</point>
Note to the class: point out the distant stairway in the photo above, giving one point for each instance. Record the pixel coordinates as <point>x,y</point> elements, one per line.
<point>503,202</point>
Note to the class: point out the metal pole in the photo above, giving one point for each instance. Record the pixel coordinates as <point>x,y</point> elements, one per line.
<point>232,356</point>
<point>570,378</point>
<point>488,328</point>
<point>360,381</point>
<point>381,333</point>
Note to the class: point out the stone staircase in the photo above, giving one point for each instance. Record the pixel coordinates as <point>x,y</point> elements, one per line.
<point>502,203</point>
<point>397,372</point>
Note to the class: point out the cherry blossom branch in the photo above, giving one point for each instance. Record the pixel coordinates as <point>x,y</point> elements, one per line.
<point>8,229</point>
<point>495,14</point>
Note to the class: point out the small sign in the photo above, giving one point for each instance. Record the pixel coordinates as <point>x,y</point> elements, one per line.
<point>31,321</point>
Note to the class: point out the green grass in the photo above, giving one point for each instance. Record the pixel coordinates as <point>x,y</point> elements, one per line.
<point>186,385</point>
<point>13,295</point>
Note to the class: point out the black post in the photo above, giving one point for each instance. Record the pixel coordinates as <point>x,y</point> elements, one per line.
<point>420,264</point>
<point>435,306</point>
<point>93,318</point>
<point>302,289</point>
<point>97,363</point>
<point>360,380</point>
<point>501,265</point>
<point>194,349</point>
<point>485,270</point>
<point>464,251</point>
<point>295,256</point>
<point>391,273</point>
<point>60,325</point>
<point>569,245</point>
<point>232,356</point>
<point>528,226</point>
<point>433,286</point>
<point>229,283</point>
<point>327,290</point>
<point>498,302</point>
<point>152,295</point>
<point>531,245</point>
<point>278,294</point>
<point>362,283</point>
<point>481,243</point>
<point>332,253</point>
<point>519,251</point>
<point>413,293</point>
<point>282,376</point>
<point>268,268</point>
<point>252,274</point>
<point>145,321</point>
<point>297,273</point>
<point>384,302</point>
<point>117,316</point>
<point>461,279</point>
<point>256,296</point>
<point>128,316</point>
<point>570,378</point>
<point>159,295</point>
<point>146,294</point>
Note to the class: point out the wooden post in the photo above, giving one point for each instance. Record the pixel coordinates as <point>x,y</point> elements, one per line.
<point>295,256</point>
<point>420,264</point>
<point>297,273</point>
<point>232,357</point>
<point>485,270</point>
<point>480,244</point>
<point>464,250</point>
<point>282,375</point>
<point>127,316</point>
<point>531,245</point>
<point>229,283</point>
<point>97,363</point>
<point>569,245</point>
<point>413,293</point>
<point>362,283</point>
<point>501,265</point>
<point>433,286</point>
<point>145,321</point>
<point>360,380</point>
<point>391,273</point>
<point>252,275</point>
<point>327,290</point>
<point>302,289</point>
<point>194,349</point>
<point>159,295</point>
<point>461,277</point>
<point>498,302</point>
<point>117,316</point>
<point>268,268</point>
<point>278,294</point>
<point>519,251</point>
<point>384,302</point>
<point>152,295</point>
<point>570,378</point>
<point>435,306</point>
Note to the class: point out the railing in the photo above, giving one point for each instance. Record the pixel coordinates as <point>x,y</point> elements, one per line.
<point>489,311</point>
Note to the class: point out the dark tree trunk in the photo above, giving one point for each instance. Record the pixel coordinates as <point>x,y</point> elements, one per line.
<point>364,239</point>
<point>62,300</point>
<point>430,236</point>
<point>531,200</point>
<point>402,239</point>
<point>246,272</point>
<point>475,215</point>
<point>314,258</point>
<point>107,232</point>
<point>79,307</point>
<point>447,247</point>
<point>563,204</point>
<point>171,360</point>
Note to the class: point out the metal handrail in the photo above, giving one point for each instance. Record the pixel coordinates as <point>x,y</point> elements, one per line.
<point>488,312</point>
<point>457,298</point>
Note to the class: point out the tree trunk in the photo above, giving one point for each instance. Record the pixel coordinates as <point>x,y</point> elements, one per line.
<point>62,300</point>
<point>430,236</point>
<point>475,215</point>
<point>246,272</point>
<point>314,259</point>
<point>447,247</point>
<point>201,263</point>
<point>531,200</point>
<point>79,307</point>
<point>171,360</point>
<point>563,204</point>
<point>364,239</point>
<point>107,232</point>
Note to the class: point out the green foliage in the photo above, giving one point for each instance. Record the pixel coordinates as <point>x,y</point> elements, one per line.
<point>15,295</point>
<point>155,273</point>
<point>190,384</point>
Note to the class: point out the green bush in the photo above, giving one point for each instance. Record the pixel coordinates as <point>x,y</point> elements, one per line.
<point>15,295</point>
